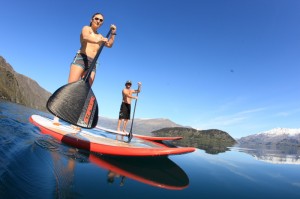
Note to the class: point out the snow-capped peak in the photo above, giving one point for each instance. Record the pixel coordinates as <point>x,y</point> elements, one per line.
<point>282,131</point>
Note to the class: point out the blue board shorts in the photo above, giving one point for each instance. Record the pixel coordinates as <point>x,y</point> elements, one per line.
<point>83,61</point>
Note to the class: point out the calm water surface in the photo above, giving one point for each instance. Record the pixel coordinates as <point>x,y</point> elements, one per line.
<point>34,165</point>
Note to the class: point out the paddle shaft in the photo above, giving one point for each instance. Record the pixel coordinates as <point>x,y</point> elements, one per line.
<point>130,132</point>
<point>93,64</point>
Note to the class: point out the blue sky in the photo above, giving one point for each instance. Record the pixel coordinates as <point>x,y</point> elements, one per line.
<point>232,65</point>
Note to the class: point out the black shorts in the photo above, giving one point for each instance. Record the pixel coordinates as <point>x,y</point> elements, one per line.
<point>125,111</point>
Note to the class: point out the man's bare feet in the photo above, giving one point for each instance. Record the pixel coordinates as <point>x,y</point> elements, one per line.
<point>56,121</point>
<point>76,128</point>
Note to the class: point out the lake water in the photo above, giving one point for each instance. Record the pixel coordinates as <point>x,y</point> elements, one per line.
<point>34,165</point>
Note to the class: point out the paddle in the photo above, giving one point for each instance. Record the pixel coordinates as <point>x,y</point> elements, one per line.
<point>75,102</point>
<point>130,132</point>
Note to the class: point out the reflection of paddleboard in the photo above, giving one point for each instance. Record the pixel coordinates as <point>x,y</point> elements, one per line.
<point>139,136</point>
<point>104,142</point>
<point>155,171</point>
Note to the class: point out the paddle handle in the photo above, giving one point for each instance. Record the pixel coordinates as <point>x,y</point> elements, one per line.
<point>93,64</point>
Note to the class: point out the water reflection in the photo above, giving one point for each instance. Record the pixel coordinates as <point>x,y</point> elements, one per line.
<point>275,155</point>
<point>209,146</point>
<point>155,171</point>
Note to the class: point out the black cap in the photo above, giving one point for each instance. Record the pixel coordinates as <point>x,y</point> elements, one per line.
<point>128,82</point>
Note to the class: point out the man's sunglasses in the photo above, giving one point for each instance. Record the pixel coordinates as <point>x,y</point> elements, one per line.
<point>96,18</point>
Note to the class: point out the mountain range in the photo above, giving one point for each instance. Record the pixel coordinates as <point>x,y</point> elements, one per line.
<point>277,146</point>
<point>15,87</point>
<point>275,138</point>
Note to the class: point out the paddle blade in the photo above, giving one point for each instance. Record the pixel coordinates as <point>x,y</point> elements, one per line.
<point>75,103</point>
<point>130,136</point>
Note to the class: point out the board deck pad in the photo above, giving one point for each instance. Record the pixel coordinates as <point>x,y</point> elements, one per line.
<point>104,142</point>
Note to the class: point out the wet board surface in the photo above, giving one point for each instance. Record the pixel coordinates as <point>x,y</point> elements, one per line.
<point>104,142</point>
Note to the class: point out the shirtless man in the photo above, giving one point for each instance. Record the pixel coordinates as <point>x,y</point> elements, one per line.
<point>90,42</point>
<point>125,108</point>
